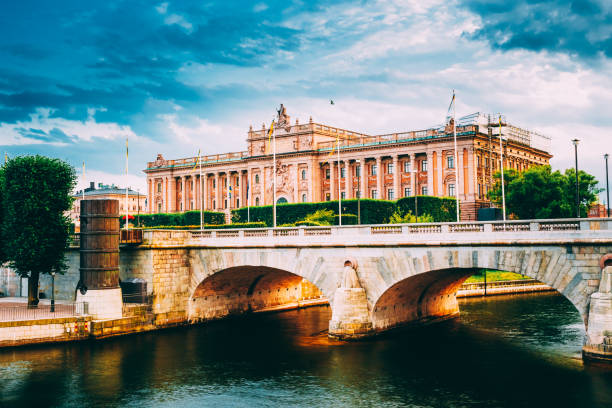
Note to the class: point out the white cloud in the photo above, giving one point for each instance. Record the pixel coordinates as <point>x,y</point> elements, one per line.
<point>41,120</point>
<point>162,8</point>
<point>180,21</point>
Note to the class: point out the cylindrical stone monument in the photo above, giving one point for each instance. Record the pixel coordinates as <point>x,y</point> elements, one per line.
<point>99,253</point>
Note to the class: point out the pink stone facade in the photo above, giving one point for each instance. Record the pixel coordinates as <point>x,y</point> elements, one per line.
<point>379,167</point>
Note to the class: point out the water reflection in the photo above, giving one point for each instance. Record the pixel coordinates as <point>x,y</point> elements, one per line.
<point>506,352</point>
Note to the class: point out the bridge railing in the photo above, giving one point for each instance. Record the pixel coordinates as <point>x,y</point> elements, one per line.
<point>602,227</point>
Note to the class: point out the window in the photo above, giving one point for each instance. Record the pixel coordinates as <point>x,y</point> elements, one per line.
<point>303,198</point>
<point>256,200</point>
<point>181,206</point>
<point>424,165</point>
<point>327,174</point>
<point>327,197</point>
<point>215,204</point>
<point>486,162</point>
<point>159,207</point>
<point>303,174</point>
<point>358,171</point>
<point>407,192</point>
<point>342,172</point>
<point>180,186</point>
<point>358,194</point>
<point>390,194</point>
<point>451,190</point>
<point>374,170</point>
<point>424,190</point>
<point>390,168</point>
<point>225,182</point>
<point>191,205</point>
<point>479,190</point>
<point>374,194</point>
<point>214,183</point>
<point>343,195</point>
<point>225,203</point>
<point>237,203</point>
<point>159,188</point>
<point>237,181</point>
<point>450,162</point>
<point>406,167</point>
<point>477,161</point>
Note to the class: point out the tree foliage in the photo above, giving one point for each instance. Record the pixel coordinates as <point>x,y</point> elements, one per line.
<point>541,193</point>
<point>3,257</point>
<point>406,217</point>
<point>37,194</point>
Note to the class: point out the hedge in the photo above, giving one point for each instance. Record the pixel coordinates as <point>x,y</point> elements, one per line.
<point>180,219</point>
<point>442,209</point>
<point>209,226</point>
<point>372,211</point>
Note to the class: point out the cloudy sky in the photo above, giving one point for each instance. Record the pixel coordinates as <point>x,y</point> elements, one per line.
<point>77,78</point>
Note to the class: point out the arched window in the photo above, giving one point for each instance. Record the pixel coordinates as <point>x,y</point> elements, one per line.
<point>281,200</point>
<point>257,179</point>
<point>256,200</point>
<point>303,198</point>
<point>303,174</point>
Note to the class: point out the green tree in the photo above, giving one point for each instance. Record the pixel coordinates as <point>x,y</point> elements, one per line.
<point>406,217</point>
<point>541,193</point>
<point>37,194</point>
<point>3,258</point>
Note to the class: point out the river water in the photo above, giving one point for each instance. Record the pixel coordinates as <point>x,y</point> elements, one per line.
<point>518,351</point>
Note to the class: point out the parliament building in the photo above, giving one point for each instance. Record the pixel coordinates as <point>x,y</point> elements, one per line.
<point>308,169</point>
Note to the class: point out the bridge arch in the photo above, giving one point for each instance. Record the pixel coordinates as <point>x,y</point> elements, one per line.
<point>229,283</point>
<point>425,281</point>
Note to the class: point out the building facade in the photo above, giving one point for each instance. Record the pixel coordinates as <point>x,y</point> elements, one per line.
<point>137,203</point>
<point>308,169</point>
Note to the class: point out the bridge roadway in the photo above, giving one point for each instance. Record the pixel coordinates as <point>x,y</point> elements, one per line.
<point>375,277</point>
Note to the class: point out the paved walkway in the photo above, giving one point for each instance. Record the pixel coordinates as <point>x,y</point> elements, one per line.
<point>15,309</point>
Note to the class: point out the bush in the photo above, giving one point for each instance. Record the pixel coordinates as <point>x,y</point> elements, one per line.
<point>181,219</point>
<point>441,209</point>
<point>372,211</point>
<point>347,219</point>
<point>209,226</point>
<point>401,217</point>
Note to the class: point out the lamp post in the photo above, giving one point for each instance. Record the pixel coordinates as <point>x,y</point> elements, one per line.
<point>607,185</point>
<point>53,292</point>
<point>416,206</point>
<point>358,191</point>
<point>575,142</point>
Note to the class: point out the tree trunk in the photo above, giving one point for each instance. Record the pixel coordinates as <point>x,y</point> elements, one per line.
<point>33,290</point>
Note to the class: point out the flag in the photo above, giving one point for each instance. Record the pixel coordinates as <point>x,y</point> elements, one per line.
<point>270,135</point>
<point>197,160</point>
<point>331,102</point>
<point>449,112</point>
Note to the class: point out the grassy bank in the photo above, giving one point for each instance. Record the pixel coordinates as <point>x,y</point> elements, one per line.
<point>493,276</point>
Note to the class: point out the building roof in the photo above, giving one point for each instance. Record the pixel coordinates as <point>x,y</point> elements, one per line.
<point>108,191</point>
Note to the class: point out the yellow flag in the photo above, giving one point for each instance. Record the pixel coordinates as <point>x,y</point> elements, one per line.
<point>270,136</point>
<point>197,160</point>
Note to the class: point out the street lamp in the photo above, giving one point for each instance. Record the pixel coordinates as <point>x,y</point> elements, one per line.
<point>416,206</point>
<point>607,184</point>
<point>575,142</point>
<point>358,191</point>
<point>53,292</point>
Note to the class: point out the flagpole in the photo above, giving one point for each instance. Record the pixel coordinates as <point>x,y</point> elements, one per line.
<point>456,156</point>
<point>84,182</point>
<point>201,195</point>
<point>127,209</point>
<point>274,174</point>
<point>501,166</point>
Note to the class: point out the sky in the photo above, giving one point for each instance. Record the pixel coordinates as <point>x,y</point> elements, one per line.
<point>78,78</point>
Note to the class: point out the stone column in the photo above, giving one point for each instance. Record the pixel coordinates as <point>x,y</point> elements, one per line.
<point>412,160</point>
<point>310,180</point>
<point>379,178</point>
<point>429,173</point>
<point>439,181</point>
<point>396,177</point>
<point>364,178</point>
<point>149,206</point>
<point>172,193</point>
<point>240,202</point>
<point>471,178</point>
<point>217,191</point>
<point>349,180</point>
<point>598,346</point>
<point>296,184</point>
<point>165,194</point>
<point>184,192</point>
<point>332,183</point>
<point>262,182</point>
<point>248,188</point>
<point>204,197</point>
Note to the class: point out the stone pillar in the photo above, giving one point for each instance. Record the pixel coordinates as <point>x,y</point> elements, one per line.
<point>165,194</point>
<point>363,178</point>
<point>204,197</point>
<point>471,178</point>
<point>598,346</point>
<point>183,193</point>
<point>430,173</point>
<point>379,178</point>
<point>248,188</point>
<point>349,180</point>
<point>332,183</point>
<point>413,185</point>
<point>240,202</point>
<point>296,183</point>
<point>350,315</point>
<point>99,272</point>
<point>439,180</point>
<point>396,177</point>
<point>172,193</point>
<point>262,182</point>
<point>310,180</point>
<point>217,192</point>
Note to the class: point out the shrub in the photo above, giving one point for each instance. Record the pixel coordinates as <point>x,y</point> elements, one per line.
<point>181,219</point>
<point>210,226</point>
<point>401,217</point>
<point>347,219</point>
<point>441,209</point>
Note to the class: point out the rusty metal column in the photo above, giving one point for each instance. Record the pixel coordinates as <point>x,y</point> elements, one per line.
<point>99,252</point>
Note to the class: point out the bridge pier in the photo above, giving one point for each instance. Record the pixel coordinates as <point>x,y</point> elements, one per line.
<point>350,315</point>
<point>598,346</point>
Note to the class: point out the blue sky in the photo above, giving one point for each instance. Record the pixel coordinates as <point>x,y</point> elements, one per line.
<point>77,78</point>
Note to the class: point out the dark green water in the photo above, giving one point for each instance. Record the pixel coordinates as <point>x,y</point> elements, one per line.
<point>521,351</point>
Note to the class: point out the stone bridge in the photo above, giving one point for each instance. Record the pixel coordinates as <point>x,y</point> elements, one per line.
<point>374,277</point>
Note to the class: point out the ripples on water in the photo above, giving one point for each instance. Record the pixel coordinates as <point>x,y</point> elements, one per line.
<point>514,351</point>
